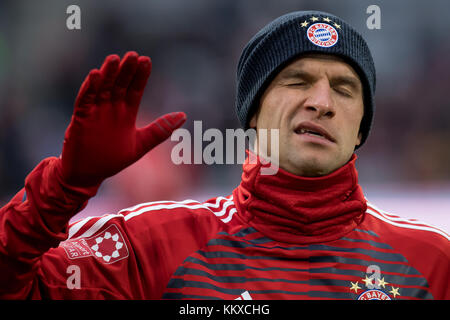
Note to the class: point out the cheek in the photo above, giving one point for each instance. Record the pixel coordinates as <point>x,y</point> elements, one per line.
<point>267,114</point>
<point>275,108</point>
<point>352,122</point>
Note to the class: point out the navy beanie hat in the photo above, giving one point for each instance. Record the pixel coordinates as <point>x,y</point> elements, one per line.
<point>285,39</point>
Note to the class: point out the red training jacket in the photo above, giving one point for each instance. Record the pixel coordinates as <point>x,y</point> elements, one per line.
<point>275,237</point>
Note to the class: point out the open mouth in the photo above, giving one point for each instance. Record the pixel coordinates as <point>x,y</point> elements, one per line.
<point>313,130</point>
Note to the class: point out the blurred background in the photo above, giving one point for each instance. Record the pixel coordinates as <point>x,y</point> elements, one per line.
<point>195,46</point>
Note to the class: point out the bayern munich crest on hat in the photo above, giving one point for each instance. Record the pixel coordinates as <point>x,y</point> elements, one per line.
<point>322,35</point>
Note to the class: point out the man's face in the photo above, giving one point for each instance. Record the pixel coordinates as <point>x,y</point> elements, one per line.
<point>316,102</point>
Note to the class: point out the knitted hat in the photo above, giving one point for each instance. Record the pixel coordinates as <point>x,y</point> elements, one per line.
<point>291,35</point>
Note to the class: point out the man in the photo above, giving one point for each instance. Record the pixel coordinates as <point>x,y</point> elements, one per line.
<point>306,232</point>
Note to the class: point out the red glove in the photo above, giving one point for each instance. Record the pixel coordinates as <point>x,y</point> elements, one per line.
<point>102,138</point>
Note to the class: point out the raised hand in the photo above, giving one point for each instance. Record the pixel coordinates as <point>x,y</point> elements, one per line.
<point>102,138</point>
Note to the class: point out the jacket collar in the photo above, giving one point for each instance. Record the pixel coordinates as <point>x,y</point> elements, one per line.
<point>301,210</point>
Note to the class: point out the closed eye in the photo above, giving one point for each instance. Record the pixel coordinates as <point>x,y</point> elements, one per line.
<point>296,84</point>
<point>344,92</point>
<point>347,86</point>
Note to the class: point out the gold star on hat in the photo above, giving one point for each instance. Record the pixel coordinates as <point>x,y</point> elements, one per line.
<point>304,24</point>
<point>314,19</point>
<point>337,25</point>
<point>326,19</point>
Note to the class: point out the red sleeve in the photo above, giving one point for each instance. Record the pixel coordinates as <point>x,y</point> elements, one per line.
<point>131,254</point>
<point>34,221</point>
<point>128,255</point>
<point>429,253</point>
<point>426,248</point>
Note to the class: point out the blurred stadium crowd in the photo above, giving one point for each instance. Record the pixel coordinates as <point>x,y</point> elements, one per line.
<point>195,46</point>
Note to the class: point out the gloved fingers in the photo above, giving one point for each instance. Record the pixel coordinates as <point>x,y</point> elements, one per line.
<point>127,69</point>
<point>109,71</point>
<point>139,81</point>
<point>158,131</point>
<point>88,92</point>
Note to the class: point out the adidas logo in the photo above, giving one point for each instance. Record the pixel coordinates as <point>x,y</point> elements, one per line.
<point>244,296</point>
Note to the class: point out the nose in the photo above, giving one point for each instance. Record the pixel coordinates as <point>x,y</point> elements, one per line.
<point>319,100</point>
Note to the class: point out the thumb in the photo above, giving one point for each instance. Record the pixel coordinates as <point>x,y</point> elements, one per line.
<point>158,131</point>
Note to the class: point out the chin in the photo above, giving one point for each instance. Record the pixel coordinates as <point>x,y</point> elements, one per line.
<point>310,164</point>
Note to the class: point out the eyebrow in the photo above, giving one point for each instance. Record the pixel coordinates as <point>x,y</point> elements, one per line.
<point>295,74</point>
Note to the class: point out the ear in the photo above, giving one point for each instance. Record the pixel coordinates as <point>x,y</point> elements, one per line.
<point>252,123</point>
<point>358,140</point>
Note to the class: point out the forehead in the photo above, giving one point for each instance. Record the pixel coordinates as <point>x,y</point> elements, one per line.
<point>316,62</point>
